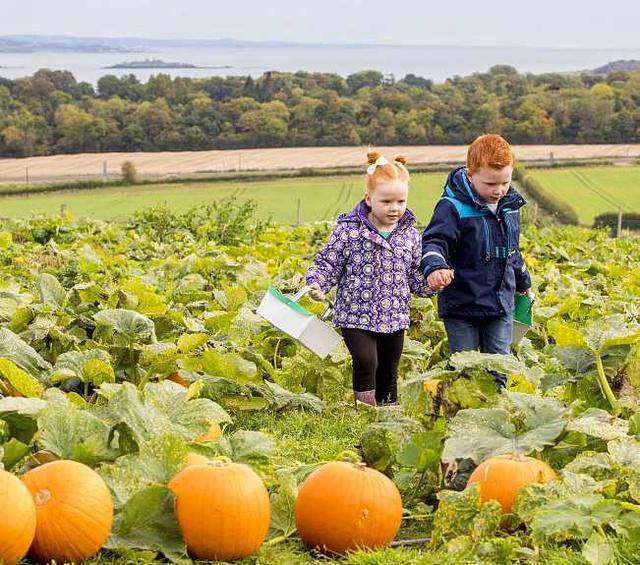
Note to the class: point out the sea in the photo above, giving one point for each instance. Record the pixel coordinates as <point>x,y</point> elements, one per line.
<point>432,62</point>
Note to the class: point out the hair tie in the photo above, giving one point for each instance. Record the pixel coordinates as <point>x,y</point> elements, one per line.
<point>378,163</point>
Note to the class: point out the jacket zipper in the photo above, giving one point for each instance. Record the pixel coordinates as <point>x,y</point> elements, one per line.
<point>487,241</point>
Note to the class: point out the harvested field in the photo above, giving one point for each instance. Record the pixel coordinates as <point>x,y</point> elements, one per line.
<point>90,165</point>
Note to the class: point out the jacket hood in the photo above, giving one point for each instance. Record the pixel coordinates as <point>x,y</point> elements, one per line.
<point>459,187</point>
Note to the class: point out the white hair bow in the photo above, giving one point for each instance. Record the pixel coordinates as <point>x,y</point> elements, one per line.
<point>378,163</point>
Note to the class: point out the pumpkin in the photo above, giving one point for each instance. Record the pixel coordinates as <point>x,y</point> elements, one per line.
<point>343,506</point>
<point>196,459</point>
<point>222,509</point>
<point>74,511</point>
<point>501,477</point>
<point>17,519</point>
<point>214,432</point>
<point>430,386</point>
<point>176,378</point>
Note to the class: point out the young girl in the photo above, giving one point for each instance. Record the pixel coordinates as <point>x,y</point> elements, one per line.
<point>373,255</point>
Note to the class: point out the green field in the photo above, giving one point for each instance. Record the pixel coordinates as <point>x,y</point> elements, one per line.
<point>322,198</point>
<point>589,190</point>
<point>594,190</point>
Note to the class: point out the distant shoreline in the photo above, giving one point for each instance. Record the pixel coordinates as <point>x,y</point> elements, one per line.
<point>158,64</point>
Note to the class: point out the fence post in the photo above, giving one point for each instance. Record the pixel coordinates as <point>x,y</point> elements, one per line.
<point>105,175</point>
<point>26,174</point>
<point>299,213</point>
<point>619,226</point>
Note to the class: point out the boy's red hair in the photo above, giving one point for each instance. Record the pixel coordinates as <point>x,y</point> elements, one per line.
<point>393,170</point>
<point>491,151</point>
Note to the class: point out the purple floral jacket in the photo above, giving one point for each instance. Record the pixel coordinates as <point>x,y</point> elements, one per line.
<point>375,276</point>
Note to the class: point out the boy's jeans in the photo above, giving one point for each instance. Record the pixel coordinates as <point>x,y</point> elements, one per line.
<point>489,335</point>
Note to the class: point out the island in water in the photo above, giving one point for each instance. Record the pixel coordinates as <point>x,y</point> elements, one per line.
<point>158,64</point>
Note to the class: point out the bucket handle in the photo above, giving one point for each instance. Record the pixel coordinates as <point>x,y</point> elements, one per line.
<point>305,290</point>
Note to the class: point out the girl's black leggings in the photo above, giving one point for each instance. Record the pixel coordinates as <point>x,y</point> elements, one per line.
<point>375,361</point>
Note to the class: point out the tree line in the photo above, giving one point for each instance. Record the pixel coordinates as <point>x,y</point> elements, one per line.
<point>50,112</point>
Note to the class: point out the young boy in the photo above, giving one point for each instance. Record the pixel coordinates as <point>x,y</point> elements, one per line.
<point>470,250</point>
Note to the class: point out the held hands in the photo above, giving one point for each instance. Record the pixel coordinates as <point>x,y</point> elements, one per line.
<point>315,291</point>
<point>440,279</point>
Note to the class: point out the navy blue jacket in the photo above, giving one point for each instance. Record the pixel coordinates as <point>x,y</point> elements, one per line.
<point>481,247</point>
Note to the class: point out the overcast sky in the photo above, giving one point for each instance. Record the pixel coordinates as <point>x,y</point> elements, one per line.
<point>554,23</point>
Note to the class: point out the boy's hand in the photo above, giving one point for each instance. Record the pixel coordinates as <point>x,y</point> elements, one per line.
<point>440,279</point>
<point>529,293</point>
<point>315,292</point>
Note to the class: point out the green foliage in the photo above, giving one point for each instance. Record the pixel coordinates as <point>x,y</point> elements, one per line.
<point>47,115</point>
<point>126,305</point>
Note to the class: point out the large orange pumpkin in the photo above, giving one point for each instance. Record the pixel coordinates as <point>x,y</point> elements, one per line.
<point>222,508</point>
<point>74,511</point>
<point>17,519</point>
<point>343,506</point>
<point>500,478</point>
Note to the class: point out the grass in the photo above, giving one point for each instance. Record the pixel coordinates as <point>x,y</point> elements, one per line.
<point>589,190</point>
<point>321,198</point>
<point>593,190</point>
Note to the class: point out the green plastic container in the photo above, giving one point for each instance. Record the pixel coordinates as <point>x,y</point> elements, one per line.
<point>522,317</point>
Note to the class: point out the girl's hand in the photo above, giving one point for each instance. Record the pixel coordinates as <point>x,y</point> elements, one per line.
<point>315,292</point>
<point>440,279</point>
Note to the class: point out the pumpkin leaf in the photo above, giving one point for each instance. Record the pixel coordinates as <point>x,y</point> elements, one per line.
<point>246,446</point>
<point>20,380</point>
<point>223,364</point>
<point>90,366</point>
<point>74,433</point>
<point>159,408</point>
<point>14,451</point>
<point>147,521</point>
<point>462,513</point>
<point>625,451</point>
<point>597,550</point>
<point>480,433</point>
<point>51,291</point>
<point>127,326</point>
<point>189,342</point>
<point>381,442</point>
<point>20,415</point>
<point>600,424</point>
<point>157,462</point>
<point>281,398</point>
<point>283,501</point>
<point>23,355</point>
<point>574,518</point>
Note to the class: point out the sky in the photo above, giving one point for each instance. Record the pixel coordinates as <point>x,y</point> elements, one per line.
<point>543,23</point>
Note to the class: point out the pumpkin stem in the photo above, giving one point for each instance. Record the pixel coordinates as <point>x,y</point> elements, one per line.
<point>605,387</point>
<point>350,456</point>
<point>220,461</point>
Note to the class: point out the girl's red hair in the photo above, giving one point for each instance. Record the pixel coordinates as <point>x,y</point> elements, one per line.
<point>394,170</point>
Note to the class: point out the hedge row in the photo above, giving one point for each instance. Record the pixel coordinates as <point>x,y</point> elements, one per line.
<point>610,220</point>
<point>557,208</point>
